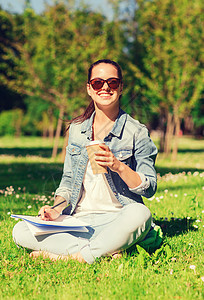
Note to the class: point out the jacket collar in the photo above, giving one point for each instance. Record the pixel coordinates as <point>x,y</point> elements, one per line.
<point>117,127</point>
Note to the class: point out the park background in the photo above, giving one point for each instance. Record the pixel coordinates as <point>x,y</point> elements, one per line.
<point>45,51</point>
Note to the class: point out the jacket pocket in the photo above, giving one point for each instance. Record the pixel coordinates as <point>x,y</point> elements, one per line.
<point>123,155</point>
<point>74,149</point>
<point>74,152</point>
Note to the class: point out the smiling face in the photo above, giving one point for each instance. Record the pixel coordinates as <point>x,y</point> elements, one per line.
<point>105,96</point>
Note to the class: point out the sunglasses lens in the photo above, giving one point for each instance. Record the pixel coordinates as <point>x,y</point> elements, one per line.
<point>113,83</point>
<point>97,84</point>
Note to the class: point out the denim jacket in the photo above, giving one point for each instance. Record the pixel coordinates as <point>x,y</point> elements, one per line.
<point>129,141</point>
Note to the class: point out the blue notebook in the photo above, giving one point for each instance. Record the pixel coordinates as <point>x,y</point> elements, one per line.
<point>62,224</point>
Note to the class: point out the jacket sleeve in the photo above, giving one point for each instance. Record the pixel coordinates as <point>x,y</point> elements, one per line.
<point>145,153</point>
<point>65,188</point>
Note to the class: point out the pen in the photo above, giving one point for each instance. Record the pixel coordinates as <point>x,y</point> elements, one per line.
<point>55,206</point>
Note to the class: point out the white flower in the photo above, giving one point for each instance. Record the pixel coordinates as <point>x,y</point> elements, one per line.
<point>171,271</point>
<point>165,191</point>
<point>202,278</point>
<point>8,213</point>
<point>202,211</point>
<point>188,218</point>
<point>195,226</point>
<point>29,206</point>
<point>197,221</point>
<point>185,194</point>
<point>192,267</point>
<point>17,196</point>
<point>176,195</point>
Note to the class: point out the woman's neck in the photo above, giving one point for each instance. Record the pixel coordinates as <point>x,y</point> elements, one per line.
<point>103,122</point>
<point>103,116</point>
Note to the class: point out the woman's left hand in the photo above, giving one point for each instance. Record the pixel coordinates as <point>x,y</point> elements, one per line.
<point>106,158</point>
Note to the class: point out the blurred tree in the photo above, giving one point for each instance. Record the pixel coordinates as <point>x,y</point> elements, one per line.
<point>11,122</point>
<point>56,50</point>
<point>164,47</point>
<point>8,99</point>
<point>40,117</point>
<point>198,118</point>
<point>166,60</point>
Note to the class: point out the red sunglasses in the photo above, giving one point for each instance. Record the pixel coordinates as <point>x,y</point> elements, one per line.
<point>97,83</point>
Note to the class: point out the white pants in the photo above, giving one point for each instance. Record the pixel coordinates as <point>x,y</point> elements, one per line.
<point>109,232</point>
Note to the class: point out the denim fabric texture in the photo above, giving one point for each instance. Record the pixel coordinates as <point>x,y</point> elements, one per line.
<point>129,141</point>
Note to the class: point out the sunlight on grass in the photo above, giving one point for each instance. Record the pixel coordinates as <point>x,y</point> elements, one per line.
<point>27,142</point>
<point>175,271</point>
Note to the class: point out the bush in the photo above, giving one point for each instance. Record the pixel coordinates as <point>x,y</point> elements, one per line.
<point>11,122</point>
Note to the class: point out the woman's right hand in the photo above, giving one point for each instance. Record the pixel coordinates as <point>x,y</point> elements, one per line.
<point>47,213</point>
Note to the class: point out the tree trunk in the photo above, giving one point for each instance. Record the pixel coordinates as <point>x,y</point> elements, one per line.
<point>169,133</point>
<point>176,139</point>
<point>58,131</point>
<point>162,137</point>
<point>51,124</point>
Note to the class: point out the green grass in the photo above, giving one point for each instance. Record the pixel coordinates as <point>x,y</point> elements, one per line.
<point>28,178</point>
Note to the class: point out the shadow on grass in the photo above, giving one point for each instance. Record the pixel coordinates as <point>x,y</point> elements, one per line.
<point>190,150</point>
<point>175,227</point>
<point>34,178</point>
<point>42,152</point>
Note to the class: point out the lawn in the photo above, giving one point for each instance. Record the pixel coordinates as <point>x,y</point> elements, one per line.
<point>28,178</point>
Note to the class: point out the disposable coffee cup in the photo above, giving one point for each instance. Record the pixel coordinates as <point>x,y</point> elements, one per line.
<point>92,148</point>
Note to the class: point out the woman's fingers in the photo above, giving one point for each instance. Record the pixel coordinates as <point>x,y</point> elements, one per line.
<point>43,210</point>
<point>46,213</point>
<point>104,147</point>
<point>106,158</point>
<point>102,156</point>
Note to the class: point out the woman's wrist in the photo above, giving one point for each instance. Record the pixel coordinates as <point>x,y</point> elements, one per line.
<point>129,176</point>
<point>121,168</point>
<point>60,207</point>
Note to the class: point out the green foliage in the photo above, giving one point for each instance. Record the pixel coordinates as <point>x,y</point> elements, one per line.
<point>7,38</point>
<point>11,122</point>
<point>167,57</point>
<point>170,34</point>
<point>56,51</point>
<point>198,116</point>
<point>158,44</point>
<point>40,118</point>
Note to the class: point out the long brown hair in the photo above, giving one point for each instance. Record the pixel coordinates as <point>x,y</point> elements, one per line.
<point>91,108</point>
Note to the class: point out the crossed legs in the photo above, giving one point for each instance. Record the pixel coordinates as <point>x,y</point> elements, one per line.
<point>109,234</point>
